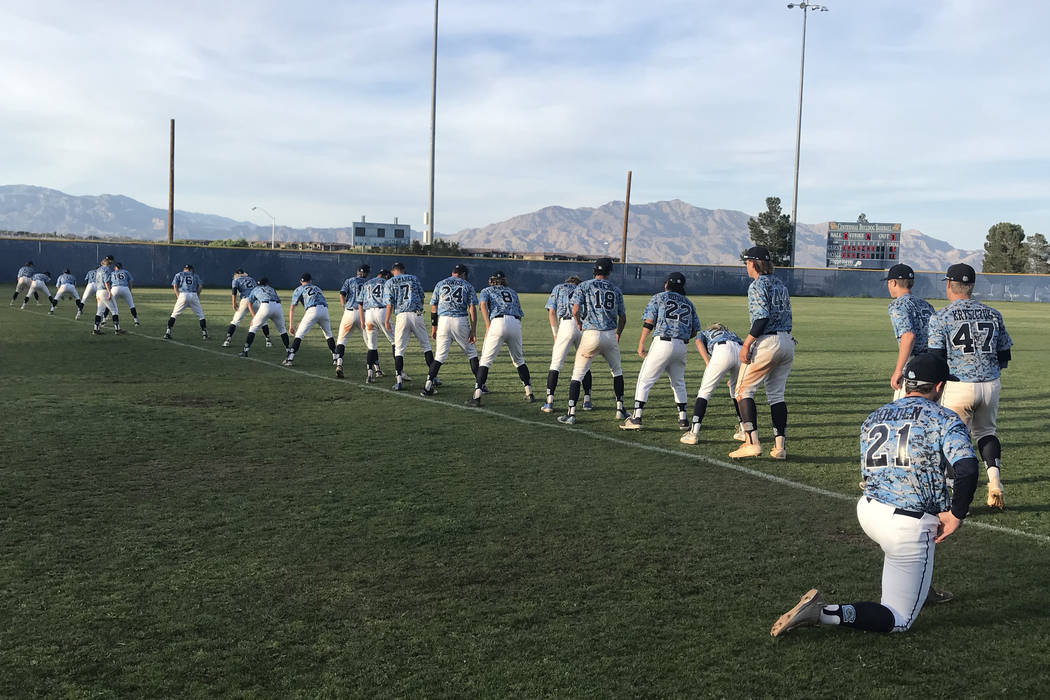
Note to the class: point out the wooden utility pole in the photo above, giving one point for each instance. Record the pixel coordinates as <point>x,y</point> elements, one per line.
<point>171,188</point>
<point>626,211</point>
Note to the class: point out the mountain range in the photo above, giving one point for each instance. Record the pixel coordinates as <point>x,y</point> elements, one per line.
<point>657,232</point>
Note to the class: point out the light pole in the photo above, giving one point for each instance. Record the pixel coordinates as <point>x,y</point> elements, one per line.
<point>428,232</point>
<point>806,8</point>
<point>273,226</point>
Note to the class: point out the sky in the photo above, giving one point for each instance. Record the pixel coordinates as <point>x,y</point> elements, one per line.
<point>929,113</point>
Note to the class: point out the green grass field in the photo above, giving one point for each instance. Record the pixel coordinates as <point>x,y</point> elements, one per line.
<point>180,521</point>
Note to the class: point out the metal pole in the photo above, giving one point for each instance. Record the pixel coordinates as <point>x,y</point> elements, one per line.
<point>171,187</point>
<point>428,232</point>
<point>273,232</point>
<point>626,211</point>
<point>798,142</point>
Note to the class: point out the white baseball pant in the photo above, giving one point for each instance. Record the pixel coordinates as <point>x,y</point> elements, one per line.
<point>374,324</point>
<point>36,286</point>
<point>121,292</point>
<point>408,324</point>
<point>351,318</point>
<point>976,403</point>
<point>23,285</point>
<point>663,356</point>
<point>505,329</point>
<point>104,301</point>
<point>66,290</point>
<point>724,359</point>
<point>568,336</point>
<point>89,290</point>
<point>455,328</point>
<point>188,300</point>
<point>269,312</point>
<point>315,315</point>
<point>771,359</point>
<point>243,308</point>
<point>907,544</point>
<point>593,342</point>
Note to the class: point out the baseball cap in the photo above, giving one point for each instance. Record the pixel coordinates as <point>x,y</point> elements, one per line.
<point>364,269</point>
<point>676,278</point>
<point>927,367</point>
<point>398,266</point>
<point>758,252</point>
<point>899,271</point>
<point>239,271</point>
<point>187,266</point>
<point>383,273</point>
<point>460,269</point>
<point>603,266</point>
<point>306,277</point>
<point>264,280</point>
<point>960,272</point>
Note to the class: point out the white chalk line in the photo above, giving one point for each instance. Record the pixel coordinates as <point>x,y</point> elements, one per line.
<point>410,394</point>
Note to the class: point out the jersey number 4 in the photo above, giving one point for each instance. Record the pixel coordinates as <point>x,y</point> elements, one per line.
<point>877,437</point>
<point>966,339</point>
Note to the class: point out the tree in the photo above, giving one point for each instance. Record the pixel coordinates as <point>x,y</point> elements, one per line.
<point>772,229</point>
<point>1038,254</point>
<point>1004,249</point>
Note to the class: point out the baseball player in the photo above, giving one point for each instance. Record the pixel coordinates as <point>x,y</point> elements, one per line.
<point>598,311</point>
<point>67,286</point>
<point>374,310</point>
<point>453,316</point>
<point>720,349</point>
<point>39,284</point>
<point>350,296</point>
<point>973,338</point>
<point>906,447</point>
<point>187,286</point>
<point>672,321</point>
<point>766,354</point>
<point>242,286</point>
<point>910,316</point>
<point>90,289</point>
<point>403,294</point>
<point>103,298</point>
<point>120,282</point>
<point>315,312</point>
<point>566,335</point>
<point>267,308</point>
<point>502,312</point>
<point>24,282</point>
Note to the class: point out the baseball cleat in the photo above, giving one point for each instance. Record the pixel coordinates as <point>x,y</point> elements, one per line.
<point>631,424</point>
<point>621,414</point>
<point>405,377</point>
<point>995,497</point>
<point>683,423</point>
<point>226,343</point>
<point>807,612</point>
<point>567,420</point>
<point>96,331</point>
<point>286,362</point>
<point>204,335</point>
<point>437,382</point>
<point>379,372</point>
<point>136,322</point>
<point>937,597</point>
<point>242,353</point>
<point>689,438</point>
<point>484,389</point>
<point>778,453</point>
<point>119,331</point>
<point>547,408</point>
<point>587,405</point>
<point>530,398</point>
<point>167,336</point>
<point>339,371</point>
<point>747,450</point>
<point>397,387</point>
<point>51,311</point>
<point>473,402</point>
<point>268,343</point>
<point>426,392</point>
<point>740,435</point>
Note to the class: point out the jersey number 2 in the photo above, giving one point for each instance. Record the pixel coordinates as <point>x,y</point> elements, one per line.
<point>877,437</point>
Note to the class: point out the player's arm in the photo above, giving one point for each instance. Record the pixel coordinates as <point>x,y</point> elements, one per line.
<point>758,327</point>
<point>576,316</point>
<point>647,329</point>
<point>233,300</point>
<point>907,342</point>
<point>291,317</point>
<point>965,485</point>
<point>553,319</point>
<point>386,316</point>
<point>485,314</point>
<point>621,322</point>
<point>472,314</point>
<point>701,347</point>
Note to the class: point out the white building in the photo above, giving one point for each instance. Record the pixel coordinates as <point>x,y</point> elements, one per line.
<point>374,234</point>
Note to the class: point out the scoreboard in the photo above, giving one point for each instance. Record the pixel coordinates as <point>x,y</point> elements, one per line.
<point>862,244</point>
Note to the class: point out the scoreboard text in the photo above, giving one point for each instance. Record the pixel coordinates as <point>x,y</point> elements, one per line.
<point>863,245</point>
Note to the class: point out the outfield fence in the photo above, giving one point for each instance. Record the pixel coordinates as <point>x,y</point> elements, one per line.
<point>154,264</point>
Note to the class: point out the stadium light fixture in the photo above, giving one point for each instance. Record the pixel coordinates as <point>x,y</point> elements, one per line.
<point>806,8</point>
<point>273,226</point>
